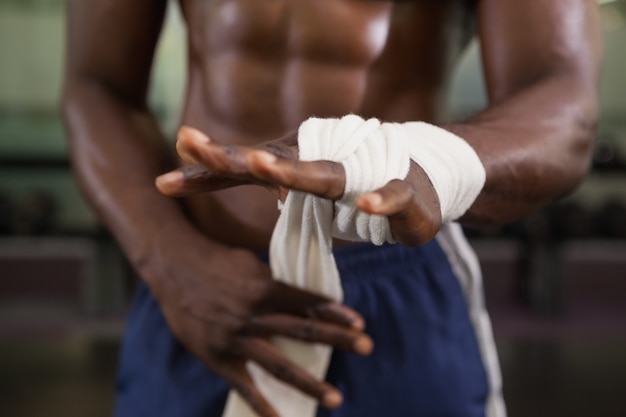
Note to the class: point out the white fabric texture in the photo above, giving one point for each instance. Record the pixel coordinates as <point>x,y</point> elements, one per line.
<point>452,165</point>
<point>372,154</point>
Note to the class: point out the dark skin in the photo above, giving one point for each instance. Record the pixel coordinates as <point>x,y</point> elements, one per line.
<point>256,70</point>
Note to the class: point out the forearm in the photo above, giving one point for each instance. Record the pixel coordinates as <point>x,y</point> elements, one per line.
<point>117,150</point>
<point>535,147</point>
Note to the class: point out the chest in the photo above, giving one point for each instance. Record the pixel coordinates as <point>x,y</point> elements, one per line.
<point>349,32</point>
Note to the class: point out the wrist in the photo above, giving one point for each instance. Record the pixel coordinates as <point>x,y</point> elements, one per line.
<point>450,163</point>
<point>171,249</point>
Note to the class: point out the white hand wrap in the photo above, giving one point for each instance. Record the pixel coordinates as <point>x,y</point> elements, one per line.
<point>301,248</point>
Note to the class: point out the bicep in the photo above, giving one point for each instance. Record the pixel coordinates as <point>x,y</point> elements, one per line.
<point>525,41</point>
<point>112,42</point>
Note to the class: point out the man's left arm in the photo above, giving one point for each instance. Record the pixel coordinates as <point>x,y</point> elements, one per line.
<point>541,64</point>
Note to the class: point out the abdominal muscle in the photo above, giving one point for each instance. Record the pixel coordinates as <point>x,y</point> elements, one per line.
<point>242,94</point>
<point>245,216</point>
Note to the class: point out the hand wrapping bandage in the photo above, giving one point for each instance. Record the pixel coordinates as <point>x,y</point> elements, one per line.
<point>372,154</point>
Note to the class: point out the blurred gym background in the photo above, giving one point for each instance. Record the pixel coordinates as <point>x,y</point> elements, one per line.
<point>555,282</point>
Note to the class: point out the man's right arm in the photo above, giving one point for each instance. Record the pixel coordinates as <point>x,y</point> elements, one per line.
<point>220,302</point>
<point>114,139</point>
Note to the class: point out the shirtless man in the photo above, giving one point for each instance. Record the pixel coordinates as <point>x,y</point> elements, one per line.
<point>256,70</point>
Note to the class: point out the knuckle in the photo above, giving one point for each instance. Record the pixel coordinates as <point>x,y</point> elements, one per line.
<point>255,325</point>
<point>405,192</point>
<point>282,371</point>
<point>228,151</point>
<point>323,308</point>
<point>280,150</point>
<point>309,330</point>
<point>219,159</point>
<point>193,172</point>
<point>214,164</point>
<point>287,181</point>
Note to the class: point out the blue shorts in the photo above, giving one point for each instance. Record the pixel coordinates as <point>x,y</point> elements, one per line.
<point>426,361</point>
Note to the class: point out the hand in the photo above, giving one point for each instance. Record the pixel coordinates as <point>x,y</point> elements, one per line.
<point>224,307</point>
<point>411,205</point>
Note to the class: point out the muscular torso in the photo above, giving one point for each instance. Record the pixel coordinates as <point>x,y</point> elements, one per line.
<point>257,69</point>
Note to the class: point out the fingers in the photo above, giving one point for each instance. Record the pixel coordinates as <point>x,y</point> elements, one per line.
<point>211,166</point>
<point>287,299</point>
<point>323,178</point>
<point>275,166</point>
<point>394,198</point>
<point>172,183</point>
<point>194,147</point>
<point>193,179</point>
<point>414,216</point>
<point>189,137</point>
<point>309,330</point>
<point>239,379</point>
<point>273,361</point>
<point>336,313</point>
